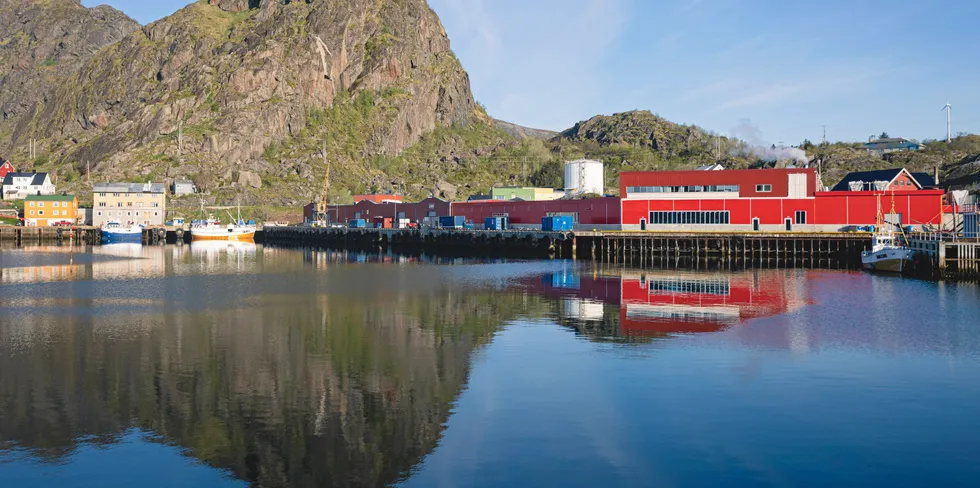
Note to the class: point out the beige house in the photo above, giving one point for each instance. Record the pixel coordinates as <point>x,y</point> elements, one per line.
<point>139,203</point>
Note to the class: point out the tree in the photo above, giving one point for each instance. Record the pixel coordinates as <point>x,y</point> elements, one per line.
<point>884,135</point>
<point>806,145</point>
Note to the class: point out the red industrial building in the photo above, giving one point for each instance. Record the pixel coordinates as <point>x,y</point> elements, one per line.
<point>369,210</point>
<point>774,200</point>
<point>593,213</point>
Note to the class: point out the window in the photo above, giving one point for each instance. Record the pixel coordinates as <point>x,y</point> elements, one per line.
<point>156,205</point>
<point>690,218</point>
<point>32,204</point>
<point>119,204</point>
<point>101,204</point>
<point>55,205</point>
<point>40,212</point>
<point>101,194</point>
<point>32,212</point>
<point>800,217</point>
<point>683,189</point>
<point>99,213</point>
<point>763,188</point>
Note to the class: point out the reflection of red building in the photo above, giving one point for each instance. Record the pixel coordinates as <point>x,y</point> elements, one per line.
<point>657,303</point>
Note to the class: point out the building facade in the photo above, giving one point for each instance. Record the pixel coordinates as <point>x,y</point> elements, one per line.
<point>369,210</point>
<point>183,187</point>
<point>588,214</point>
<point>138,203</point>
<point>528,194</point>
<point>17,186</point>
<point>883,146</point>
<point>48,210</point>
<point>773,200</point>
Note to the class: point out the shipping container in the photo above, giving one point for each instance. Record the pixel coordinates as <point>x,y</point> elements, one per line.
<point>357,223</point>
<point>557,224</point>
<point>494,223</point>
<point>383,222</point>
<point>450,222</point>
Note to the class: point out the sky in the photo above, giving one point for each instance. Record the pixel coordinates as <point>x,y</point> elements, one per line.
<point>774,70</point>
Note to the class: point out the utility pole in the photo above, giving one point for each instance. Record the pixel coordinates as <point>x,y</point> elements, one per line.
<point>825,134</point>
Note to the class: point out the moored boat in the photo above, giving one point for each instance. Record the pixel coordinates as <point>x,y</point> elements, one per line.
<point>114,232</point>
<point>887,253</point>
<point>212,230</point>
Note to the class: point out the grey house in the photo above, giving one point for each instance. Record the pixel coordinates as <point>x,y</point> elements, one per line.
<point>183,187</point>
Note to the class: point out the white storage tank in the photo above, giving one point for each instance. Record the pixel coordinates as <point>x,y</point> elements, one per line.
<point>584,176</point>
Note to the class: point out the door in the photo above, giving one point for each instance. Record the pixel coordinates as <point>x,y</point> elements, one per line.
<point>755,225</point>
<point>797,186</point>
<point>643,224</point>
<point>789,225</point>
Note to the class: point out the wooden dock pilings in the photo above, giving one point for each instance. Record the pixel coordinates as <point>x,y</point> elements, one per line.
<point>46,235</point>
<point>948,259</point>
<point>463,242</point>
<point>779,249</point>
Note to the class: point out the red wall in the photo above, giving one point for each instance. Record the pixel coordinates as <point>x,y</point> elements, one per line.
<point>369,210</point>
<point>827,208</point>
<point>5,168</point>
<point>594,211</point>
<point>747,179</point>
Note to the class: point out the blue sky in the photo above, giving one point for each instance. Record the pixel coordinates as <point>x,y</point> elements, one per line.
<point>859,67</point>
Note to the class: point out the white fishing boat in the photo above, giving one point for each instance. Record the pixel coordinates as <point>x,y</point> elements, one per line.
<point>888,253</point>
<point>114,232</point>
<point>212,230</point>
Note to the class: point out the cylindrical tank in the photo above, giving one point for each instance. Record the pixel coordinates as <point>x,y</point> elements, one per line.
<point>584,176</point>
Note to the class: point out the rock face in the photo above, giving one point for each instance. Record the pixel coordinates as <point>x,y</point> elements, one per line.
<point>42,42</point>
<point>223,83</point>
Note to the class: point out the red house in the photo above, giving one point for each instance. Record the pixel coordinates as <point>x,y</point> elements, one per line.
<point>5,167</point>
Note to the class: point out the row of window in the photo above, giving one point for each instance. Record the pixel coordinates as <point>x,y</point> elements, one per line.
<point>127,214</point>
<point>705,218</point>
<point>53,204</point>
<point>53,212</point>
<point>683,189</point>
<point>130,204</point>
<point>690,218</point>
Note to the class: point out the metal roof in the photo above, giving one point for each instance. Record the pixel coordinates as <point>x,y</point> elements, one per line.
<point>886,175</point>
<point>129,188</point>
<point>50,198</point>
<point>38,178</point>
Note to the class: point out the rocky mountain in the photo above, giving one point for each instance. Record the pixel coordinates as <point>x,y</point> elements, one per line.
<point>218,89</point>
<point>522,132</point>
<point>42,42</point>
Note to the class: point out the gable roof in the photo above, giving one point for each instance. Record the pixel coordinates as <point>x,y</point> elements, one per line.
<point>50,198</point>
<point>37,179</point>
<point>886,175</point>
<point>925,180</point>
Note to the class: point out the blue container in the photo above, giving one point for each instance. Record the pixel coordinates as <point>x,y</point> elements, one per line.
<point>452,222</point>
<point>357,224</point>
<point>557,224</point>
<point>469,226</point>
<point>494,223</point>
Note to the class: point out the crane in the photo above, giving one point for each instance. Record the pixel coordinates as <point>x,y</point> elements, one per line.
<point>323,200</point>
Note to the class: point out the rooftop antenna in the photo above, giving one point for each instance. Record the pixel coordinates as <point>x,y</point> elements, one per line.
<point>949,128</point>
<point>825,134</point>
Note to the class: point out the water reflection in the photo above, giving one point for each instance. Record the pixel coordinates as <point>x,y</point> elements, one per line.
<point>611,302</point>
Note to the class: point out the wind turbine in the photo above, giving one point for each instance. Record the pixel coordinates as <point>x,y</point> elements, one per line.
<point>949,128</point>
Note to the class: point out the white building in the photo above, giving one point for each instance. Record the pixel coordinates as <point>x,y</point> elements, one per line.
<point>183,187</point>
<point>16,186</point>
<point>583,177</point>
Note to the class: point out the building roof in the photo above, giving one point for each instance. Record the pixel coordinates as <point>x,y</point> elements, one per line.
<point>183,182</point>
<point>886,175</point>
<point>891,142</point>
<point>38,178</point>
<point>925,180</point>
<point>129,188</point>
<point>479,197</point>
<point>50,198</point>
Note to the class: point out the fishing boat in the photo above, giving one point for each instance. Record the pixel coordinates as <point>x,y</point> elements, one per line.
<point>114,232</point>
<point>888,252</point>
<point>212,230</point>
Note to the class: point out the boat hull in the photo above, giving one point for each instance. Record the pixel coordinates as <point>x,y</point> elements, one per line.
<point>223,235</point>
<point>887,261</point>
<point>111,237</point>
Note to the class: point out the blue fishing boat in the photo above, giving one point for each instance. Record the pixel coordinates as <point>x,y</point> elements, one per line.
<point>114,232</point>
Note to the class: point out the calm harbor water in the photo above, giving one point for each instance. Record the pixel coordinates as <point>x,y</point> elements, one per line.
<point>238,365</point>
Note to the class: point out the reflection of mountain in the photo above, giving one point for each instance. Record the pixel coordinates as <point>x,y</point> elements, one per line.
<point>656,303</point>
<point>287,389</point>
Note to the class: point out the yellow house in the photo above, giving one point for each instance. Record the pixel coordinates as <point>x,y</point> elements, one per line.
<point>48,210</point>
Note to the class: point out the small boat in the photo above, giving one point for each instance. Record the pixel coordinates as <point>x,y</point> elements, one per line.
<point>212,230</point>
<point>887,253</point>
<point>114,232</point>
